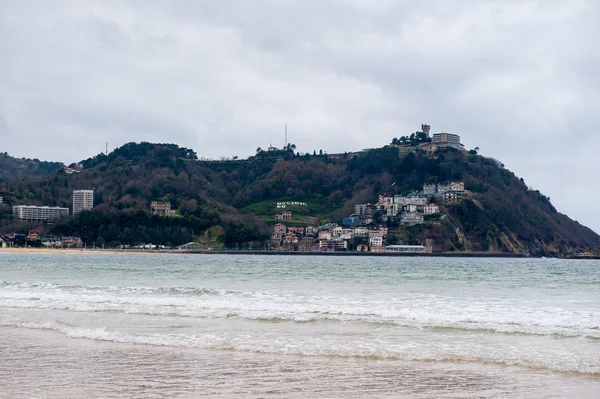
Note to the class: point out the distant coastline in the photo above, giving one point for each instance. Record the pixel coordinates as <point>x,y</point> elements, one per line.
<point>98,251</point>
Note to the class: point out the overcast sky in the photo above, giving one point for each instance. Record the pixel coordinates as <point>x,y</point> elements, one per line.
<point>519,79</point>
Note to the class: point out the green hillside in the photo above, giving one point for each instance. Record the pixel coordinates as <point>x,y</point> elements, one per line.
<point>500,213</point>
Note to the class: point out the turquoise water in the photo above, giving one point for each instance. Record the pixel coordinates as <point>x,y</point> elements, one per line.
<point>540,317</point>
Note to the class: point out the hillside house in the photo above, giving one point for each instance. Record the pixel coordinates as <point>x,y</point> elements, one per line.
<point>457,186</point>
<point>343,233</point>
<point>285,215</point>
<point>431,209</point>
<point>361,232</point>
<point>324,235</point>
<point>376,241</point>
<point>290,239</point>
<point>410,208</point>
<point>430,189</point>
<point>311,231</point>
<point>363,210</point>
<point>296,230</point>
<point>450,196</point>
<point>411,218</point>
<point>160,208</point>
<point>442,188</point>
<point>280,229</point>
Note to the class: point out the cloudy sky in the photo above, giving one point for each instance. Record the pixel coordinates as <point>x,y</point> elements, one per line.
<point>519,79</point>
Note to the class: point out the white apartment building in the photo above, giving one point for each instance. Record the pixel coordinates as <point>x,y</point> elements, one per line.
<point>411,218</point>
<point>324,235</point>
<point>343,233</point>
<point>410,208</point>
<point>361,232</point>
<point>376,241</point>
<point>32,212</point>
<point>83,200</point>
<point>431,209</point>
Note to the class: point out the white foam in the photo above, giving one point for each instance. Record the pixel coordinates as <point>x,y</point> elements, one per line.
<point>415,310</point>
<point>360,346</point>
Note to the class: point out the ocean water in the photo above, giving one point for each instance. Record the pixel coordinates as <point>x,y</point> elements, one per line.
<point>115,325</point>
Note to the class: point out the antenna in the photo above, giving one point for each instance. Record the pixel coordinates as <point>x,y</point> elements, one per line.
<point>285,135</point>
<point>106,149</point>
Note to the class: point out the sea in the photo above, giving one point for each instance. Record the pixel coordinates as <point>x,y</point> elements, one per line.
<point>253,326</point>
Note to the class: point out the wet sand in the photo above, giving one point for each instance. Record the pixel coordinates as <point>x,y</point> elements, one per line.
<point>38,363</point>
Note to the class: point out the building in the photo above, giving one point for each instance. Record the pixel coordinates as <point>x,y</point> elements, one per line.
<point>324,235</point>
<point>431,209</point>
<point>31,212</point>
<point>378,230</point>
<point>285,215</point>
<point>351,221</point>
<point>361,232</point>
<point>450,196</point>
<point>429,189</point>
<point>412,249</point>
<point>363,210</point>
<point>333,244</point>
<point>311,231</point>
<point>83,200</point>
<point>376,241</point>
<point>280,229</point>
<point>410,208</point>
<point>457,186</point>
<point>442,188</point>
<point>290,239</point>
<point>160,208</point>
<point>343,233</point>
<point>446,139</point>
<point>425,128</point>
<point>192,246</point>
<point>393,209</point>
<point>411,218</point>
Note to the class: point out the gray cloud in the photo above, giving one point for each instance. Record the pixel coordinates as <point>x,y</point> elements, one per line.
<point>516,78</point>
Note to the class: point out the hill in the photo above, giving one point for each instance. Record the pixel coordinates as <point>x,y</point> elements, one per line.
<point>240,197</point>
<point>13,168</point>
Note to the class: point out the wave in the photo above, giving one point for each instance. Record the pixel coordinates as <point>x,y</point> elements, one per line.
<point>321,349</point>
<point>127,289</point>
<point>427,312</point>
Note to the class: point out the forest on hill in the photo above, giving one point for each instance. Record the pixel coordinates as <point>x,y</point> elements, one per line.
<point>235,199</point>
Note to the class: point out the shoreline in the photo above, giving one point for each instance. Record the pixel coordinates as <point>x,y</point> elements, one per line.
<point>89,251</point>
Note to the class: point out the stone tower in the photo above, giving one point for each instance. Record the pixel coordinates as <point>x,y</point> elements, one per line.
<point>425,129</point>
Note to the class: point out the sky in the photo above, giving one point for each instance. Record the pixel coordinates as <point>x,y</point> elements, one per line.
<point>516,78</point>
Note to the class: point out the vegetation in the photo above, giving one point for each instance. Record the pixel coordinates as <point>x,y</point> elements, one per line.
<point>240,196</point>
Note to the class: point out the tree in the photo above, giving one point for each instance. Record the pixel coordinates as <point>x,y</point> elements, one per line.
<point>258,150</point>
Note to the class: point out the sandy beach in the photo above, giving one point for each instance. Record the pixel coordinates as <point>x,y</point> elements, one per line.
<point>88,251</point>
